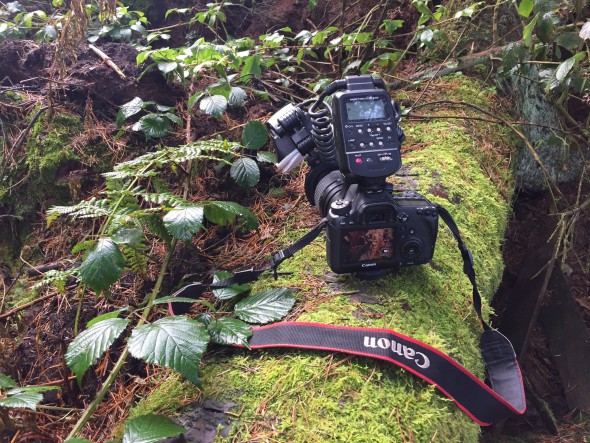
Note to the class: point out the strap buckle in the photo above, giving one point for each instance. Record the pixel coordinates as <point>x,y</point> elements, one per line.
<point>245,276</point>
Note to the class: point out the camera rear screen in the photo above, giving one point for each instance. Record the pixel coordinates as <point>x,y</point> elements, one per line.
<point>357,110</point>
<point>372,244</point>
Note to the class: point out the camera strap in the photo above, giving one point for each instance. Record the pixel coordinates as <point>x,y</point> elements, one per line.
<point>484,404</point>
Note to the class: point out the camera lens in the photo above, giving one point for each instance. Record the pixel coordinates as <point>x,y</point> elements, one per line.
<point>327,191</point>
<point>411,249</point>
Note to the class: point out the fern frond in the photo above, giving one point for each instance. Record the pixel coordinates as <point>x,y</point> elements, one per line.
<point>55,278</point>
<point>136,257</point>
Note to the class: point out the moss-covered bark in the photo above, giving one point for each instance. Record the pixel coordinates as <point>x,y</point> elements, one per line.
<point>316,397</point>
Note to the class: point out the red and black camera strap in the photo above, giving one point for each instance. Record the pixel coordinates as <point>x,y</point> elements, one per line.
<point>503,398</point>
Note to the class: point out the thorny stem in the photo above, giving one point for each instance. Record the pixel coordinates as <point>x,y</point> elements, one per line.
<point>102,231</point>
<point>146,311</point>
<point>123,357</point>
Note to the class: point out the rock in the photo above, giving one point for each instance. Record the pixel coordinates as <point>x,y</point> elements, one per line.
<point>562,163</point>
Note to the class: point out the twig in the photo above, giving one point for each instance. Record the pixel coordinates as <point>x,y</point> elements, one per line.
<point>24,134</point>
<point>110,63</point>
<point>26,305</point>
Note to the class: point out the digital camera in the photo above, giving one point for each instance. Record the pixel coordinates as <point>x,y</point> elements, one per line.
<point>352,146</point>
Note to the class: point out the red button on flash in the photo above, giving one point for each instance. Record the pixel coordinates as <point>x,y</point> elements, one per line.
<point>359,160</point>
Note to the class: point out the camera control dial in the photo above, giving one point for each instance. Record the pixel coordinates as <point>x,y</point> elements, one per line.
<point>340,207</point>
<point>411,249</point>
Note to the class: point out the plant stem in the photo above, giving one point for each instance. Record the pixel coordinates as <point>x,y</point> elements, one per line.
<point>123,357</point>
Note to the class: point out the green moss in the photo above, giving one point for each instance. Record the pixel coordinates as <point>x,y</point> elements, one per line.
<point>32,184</point>
<point>316,397</point>
<point>165,399</point>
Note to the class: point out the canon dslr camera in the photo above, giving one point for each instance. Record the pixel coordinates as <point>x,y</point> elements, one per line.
<point>352,146</point>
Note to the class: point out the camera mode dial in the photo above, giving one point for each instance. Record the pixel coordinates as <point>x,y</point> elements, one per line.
<point>340,207</point>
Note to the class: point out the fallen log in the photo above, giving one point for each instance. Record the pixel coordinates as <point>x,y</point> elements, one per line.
<point>307,396</point>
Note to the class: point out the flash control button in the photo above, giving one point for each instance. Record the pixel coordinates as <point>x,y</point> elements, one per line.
<point>403,217</point>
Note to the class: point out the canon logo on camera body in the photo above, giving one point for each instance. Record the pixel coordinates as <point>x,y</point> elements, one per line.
<point>420,359</point>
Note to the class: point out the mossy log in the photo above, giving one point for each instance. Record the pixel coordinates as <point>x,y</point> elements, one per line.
<point>306,396</point>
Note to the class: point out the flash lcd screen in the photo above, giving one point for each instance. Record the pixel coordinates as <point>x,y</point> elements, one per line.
<point>372,244</point>
<point>357,110</point>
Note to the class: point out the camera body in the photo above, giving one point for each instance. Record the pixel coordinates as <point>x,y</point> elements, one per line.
<point>352,146</point>
<point>376,231</point>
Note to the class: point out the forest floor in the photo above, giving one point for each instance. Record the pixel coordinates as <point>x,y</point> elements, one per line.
<point>94,91</point>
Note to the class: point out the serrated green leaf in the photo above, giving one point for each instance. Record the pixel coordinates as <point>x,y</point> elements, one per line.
<point>213,105</point>
<point>230,331</point>
<point>155,125</point>
<point>174,118</point>
<point>545,27</point>
<point>174,342</point>
<point>569,40</point>
<point>237,96</point>
<point>167,67</point>
<point>564,68</point>
<point>150,428</point>
<point>266,306</point>
<point>229,292</point>
<point>252,66</point>
<point>105,316</point>
<point>184,222</point>
<point>254,135</point>
<point>526,7</point>
<point>50,31</point>
<point>225,213</point>
<point>127,236</point>
<point>266,157</point>
<point>77,440</point>
<point>33,389</point>
<point>193,99</point>
<point>128,109</point>
<point>527,33</point>
<point>245,172</point>
<point>103,266</point>
<point>6,382</point>
<point>392,25</point>
<point>92,343</point>
<point>27,400</point>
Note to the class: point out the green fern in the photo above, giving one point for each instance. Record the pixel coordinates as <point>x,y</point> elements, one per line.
<point>136,258</point>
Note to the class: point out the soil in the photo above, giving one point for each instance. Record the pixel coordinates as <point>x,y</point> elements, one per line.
<point>45,329</point>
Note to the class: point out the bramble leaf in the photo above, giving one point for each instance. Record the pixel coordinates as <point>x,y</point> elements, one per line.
<point>266,157</point>
<point>230,331</point>
<point>237,96</point>
<point>6,382</point>
<point>266,306</point>
<point>184,222</point>
<point>213,105</point>
<point>245,172</point>
<point>155,125</point>
<point>128,109</point>
<point>25,397</point>
<point>229,292</point>
<point>526,7</point>
<point>27,400</point>
<point>103,266</point>
<point>150,428</point>
<point>174,342</point>
<point>225,213</point>
<point>92,343</point>
<point>254,135</point>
